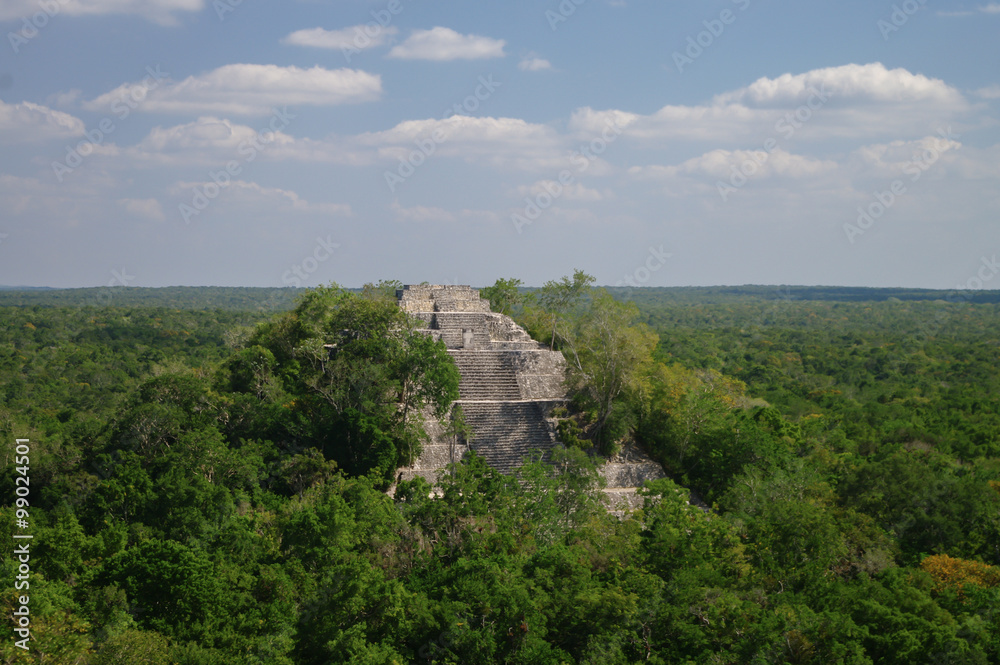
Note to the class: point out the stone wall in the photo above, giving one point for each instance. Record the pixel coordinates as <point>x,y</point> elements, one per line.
<point>440,298</point>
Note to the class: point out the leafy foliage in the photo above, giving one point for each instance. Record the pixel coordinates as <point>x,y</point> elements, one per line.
<point>504,295</point>
<point>209,486</point>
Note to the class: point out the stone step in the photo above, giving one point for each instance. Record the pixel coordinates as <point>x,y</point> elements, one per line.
<point>460,320</point>
<point>486,375</point>
<point>459,303</point>
<point>504,433</point>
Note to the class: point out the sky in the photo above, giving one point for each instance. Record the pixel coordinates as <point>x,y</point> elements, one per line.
<point>303,142</point>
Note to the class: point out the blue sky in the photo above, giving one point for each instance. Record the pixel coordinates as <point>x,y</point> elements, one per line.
<point>254,143</point>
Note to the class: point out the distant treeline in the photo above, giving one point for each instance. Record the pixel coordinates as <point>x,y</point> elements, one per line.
<point>723,294</point>
<point>260,299</point>
<point>232,298</point>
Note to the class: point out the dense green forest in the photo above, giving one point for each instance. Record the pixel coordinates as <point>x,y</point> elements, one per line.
<point>242,299</point>
<point>208,481</point>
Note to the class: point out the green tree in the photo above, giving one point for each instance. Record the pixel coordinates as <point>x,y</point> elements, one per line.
<point>557,299</point>
<point>249,371</point>
<point>457,430</point>
<point>682,403</point>
<point>135,647</point>
<point>503,295</point>
<point>175,589</point>
<point>362,374</point>
<point>384,289</point>
<point>610,356</point>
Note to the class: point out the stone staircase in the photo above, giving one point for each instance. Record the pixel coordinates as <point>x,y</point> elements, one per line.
<point>504,433</point>
<point>459,321</point>
<point>486,375</point>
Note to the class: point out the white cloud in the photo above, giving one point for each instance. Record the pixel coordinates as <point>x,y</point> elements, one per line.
<point>420,214</point>
<point>992,8</point>
<point>532,64</point>
<point>253,196</point>
<point>852,83</point>
<point>897,158</point>
<point>211,141</point>
<point>588,121</point>
<point>206,133</point>
<point>497,141</point>
<point>27,122</point>
<point>572,192</point>
<point>64,99</point>
<point>972,164</point>
<point>19,195</point>
<point>445,44</point>
<point>245,89</point>
<point>86,195</point>
<point>145,208</point>
<point>559,215</point>
<point>721,164</point>
<point>158,11</point>
<point>800,181</point>
<point>989,92</point>
<point>853,101</point>
<point>358,37</point>
<point>463,128</point>
<point>94,200</point>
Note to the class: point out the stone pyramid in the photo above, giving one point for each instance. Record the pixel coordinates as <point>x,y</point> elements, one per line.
<point>509,382</point>
<point>509,386</point>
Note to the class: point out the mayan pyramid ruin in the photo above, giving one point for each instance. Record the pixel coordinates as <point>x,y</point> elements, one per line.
<point>509,382</point>
<point>509,386</point>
